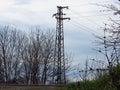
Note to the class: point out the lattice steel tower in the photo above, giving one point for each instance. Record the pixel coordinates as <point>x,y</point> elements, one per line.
<point>59,75</point>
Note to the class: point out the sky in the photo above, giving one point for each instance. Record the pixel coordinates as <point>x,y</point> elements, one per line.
<point>87,18</point>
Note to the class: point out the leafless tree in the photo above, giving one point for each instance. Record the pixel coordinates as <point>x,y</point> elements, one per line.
<point>10,45</point>
<point>111,45</point>
<point>26,58</point>
<point>38,56</point>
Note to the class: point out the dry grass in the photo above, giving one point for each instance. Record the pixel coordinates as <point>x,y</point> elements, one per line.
<point>28,88</point>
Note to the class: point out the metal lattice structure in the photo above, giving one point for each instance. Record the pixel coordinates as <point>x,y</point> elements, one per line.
<point>59,75</point>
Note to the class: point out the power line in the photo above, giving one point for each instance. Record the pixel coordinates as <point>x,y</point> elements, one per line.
<point>84,28</point>
<point>92,11</point>
<point>97,15</point>
<point>88,4</point>
<point>84,17</point>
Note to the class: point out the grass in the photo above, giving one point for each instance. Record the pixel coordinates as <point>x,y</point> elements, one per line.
<point>100,83</point>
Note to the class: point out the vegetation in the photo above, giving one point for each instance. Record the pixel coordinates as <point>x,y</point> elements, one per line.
<point>102,82</point>
<point>26,58</point>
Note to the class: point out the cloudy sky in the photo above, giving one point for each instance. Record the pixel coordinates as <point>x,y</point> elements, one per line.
<point>86,19</point>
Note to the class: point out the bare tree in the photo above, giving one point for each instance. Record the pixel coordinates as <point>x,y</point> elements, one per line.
<point>26,58</point>
<point>111,49</point>
<point>10,52</point>
<point>38,56</point>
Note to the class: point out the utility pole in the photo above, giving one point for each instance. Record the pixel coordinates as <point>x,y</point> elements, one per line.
<point>59,74</point>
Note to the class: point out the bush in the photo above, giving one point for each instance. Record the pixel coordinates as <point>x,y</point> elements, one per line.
<point>102,82</point>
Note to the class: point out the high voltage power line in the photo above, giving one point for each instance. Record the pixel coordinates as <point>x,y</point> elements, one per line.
<point>82,3</point>
<point>83,17</point>
<point>84,28</point>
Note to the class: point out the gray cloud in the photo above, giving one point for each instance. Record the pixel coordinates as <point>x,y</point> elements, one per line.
<point>39,12</point>
<point>20,2</point>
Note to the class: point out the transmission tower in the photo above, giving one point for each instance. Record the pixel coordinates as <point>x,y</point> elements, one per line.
<point>59,74</point>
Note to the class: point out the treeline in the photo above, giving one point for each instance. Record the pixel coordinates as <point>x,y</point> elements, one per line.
<point>26,58</point>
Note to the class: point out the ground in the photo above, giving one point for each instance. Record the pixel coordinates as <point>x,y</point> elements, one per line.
<point>28,88</point>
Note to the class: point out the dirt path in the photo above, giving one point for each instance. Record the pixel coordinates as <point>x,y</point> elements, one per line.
<point>28,88</point>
